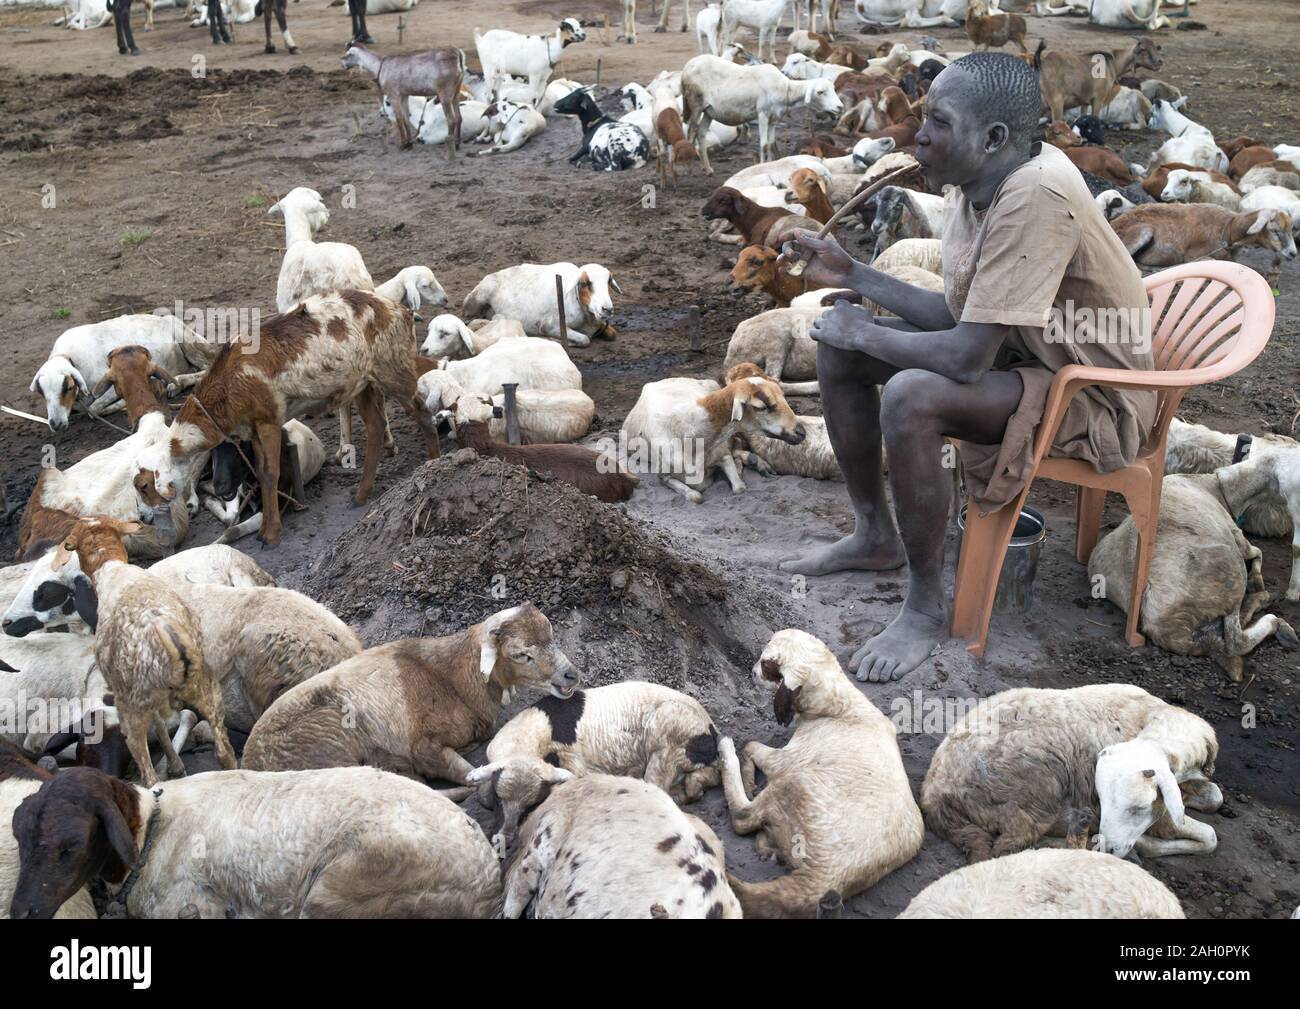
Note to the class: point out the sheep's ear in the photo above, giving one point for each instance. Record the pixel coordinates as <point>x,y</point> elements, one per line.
<point>1262,220</point>
<point>482,774</point>
<point>119,835</point>
<point>1171,794</point>
<point>738,403</point>
<point>467,338</point>
<point>85,389</point>
<point>411,296</point>
<point>559,774</point>
<point>1180,101</point>
<point>487,656</point>
<point>614,284</point>
<point>36,385</point>
<point>86,601</point>
<point>275,208</point>
<point>62,554</point>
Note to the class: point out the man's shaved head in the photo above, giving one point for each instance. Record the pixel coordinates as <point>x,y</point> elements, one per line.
<point>1005,90</point>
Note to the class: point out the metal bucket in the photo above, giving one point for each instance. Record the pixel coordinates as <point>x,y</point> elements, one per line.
<point>1016,580</point>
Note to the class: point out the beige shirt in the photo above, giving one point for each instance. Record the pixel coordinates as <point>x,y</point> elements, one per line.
<point>1043,260</point>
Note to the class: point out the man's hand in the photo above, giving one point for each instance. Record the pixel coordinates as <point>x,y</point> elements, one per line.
<point>843,326</point>
<point>828,265</point>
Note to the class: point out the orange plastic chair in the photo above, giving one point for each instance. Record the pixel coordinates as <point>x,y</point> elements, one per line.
<point>1209,320</point>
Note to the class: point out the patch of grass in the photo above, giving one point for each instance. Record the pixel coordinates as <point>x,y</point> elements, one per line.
<point>250,202</point>
<point>135,237</point>
<point>61,313</point>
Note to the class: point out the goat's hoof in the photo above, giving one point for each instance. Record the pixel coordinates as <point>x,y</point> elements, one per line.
<point>660,29</point>
<point>135,51</point>
<point>121,50</point>
<point>270,48</point>
<point>271,544</point>
<point>293,50</point>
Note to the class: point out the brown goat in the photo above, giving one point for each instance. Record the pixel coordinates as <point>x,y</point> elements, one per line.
<point>845,56</point>
<point>132,373</point>
<point>571,464</point>
<point>757,224</point>
<point>670,134</point>
<point>433,73</point>
<point>1086,79</point>
<point>1102,162</point>
<point>1248,157</point>
<point>853,87</point>
<point>1059,134</point>
<point>809,189</point>
<point>1238,144</point>
<point>984,29</point>
<point>821,146</point>
<point>756,270</point>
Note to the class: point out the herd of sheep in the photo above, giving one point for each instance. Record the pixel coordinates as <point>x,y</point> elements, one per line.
<point>328,811</point>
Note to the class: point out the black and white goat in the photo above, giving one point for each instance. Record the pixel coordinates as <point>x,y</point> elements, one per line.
<point>611,145</point>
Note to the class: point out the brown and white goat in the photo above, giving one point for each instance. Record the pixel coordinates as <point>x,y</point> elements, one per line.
<point>132,374</point>
<point>351,345</point>
<point>758,225</point>
<point>671,135</point>
<point>756,270</point>
<point>808,188</point>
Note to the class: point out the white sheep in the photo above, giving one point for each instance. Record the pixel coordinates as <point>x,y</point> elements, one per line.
<point>837,807</point>
<point>921,253</point>
<point>431,126</point>
<point>1046,883</point>
<point>546,416</point>
<point>449,337</point>
<point>104,483</point>
<point>1112,203</point>
<point>505,54</point>
<point>717,90</point>
<point>607,847</point>
<point>1267,175</point>
<point>1272,495</point>
<point>638,729</point>
<point>527,293</point>
<point>1190,143</point>
<point>148,642</point>
<point>777,173</point>
<point>350,842</point>
<point>1205,582</point>
<point>513,125</point>
<point>681,428</point>
<point>79,359</point>
<point>761,16</point>
<point>778,341</point>
<point>799,67</point>
<point>1275,198</point>
<point>1183,186</point>
<point>708,28</point>
<point>1028,764</point>
<point>1127,109</point>
<point>49,683</point>
<point>529,362</point>
<point>1288,152</point>
<point>813,457</point>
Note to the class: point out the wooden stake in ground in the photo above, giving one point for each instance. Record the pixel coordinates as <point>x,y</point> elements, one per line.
<point>693,321</point>
<point>559,305</point>
<point>512,413</point>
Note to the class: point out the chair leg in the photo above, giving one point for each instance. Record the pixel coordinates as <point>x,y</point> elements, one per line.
<point>1089,503</point>
<point>1146,518</point>
<point>983,547</point>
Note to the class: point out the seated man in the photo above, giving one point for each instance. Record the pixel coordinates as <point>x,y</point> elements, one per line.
<point>1034,279</point>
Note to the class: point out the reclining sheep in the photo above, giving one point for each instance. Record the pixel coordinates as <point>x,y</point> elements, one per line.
<point>448,337</point>
<point>638,729</point>
<point>527,293</point>
<point>837,806</point>
<point>350,842</point>
<point>409,705</point>
<point>1028,764</point>
<point>1271,498</point>
<point>608,847</point>
<point>1205,582</point>
<point>1046,884</point>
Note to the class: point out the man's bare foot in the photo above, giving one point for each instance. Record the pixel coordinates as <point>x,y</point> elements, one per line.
<point>900,647</point>
<point>852,553</point>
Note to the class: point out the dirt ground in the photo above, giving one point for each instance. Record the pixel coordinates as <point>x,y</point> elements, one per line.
<point>161,180</point>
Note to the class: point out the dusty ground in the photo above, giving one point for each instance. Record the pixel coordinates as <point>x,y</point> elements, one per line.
<point>161,180</point>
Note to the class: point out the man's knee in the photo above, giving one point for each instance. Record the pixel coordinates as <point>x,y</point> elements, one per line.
<point>909,397</point>
<point>845,367</point>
